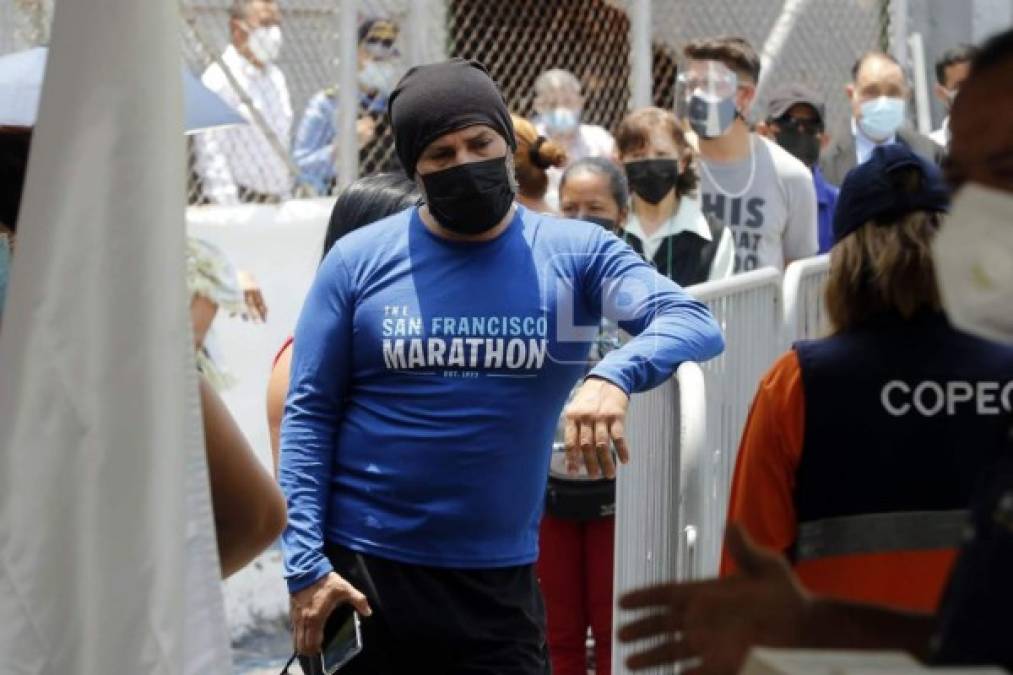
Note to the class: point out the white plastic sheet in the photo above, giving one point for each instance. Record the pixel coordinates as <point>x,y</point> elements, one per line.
<point>107,555</point>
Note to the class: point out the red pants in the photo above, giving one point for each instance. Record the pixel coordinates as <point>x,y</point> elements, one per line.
<point>575,571</point>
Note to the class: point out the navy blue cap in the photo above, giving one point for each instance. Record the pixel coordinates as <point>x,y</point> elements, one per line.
<point>868,192</point>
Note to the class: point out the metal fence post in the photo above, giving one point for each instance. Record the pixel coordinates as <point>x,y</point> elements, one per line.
<point>347,143</point>
<point>419,13</point>
<point>898,31</point>
<point>776,39</point>
<point>923,112</point>
<point>640,54</point>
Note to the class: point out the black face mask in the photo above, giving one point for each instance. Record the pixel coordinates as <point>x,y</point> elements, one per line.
<point>804,145</point>
<point>607,223</point>
<point>470,198</point>
<point>652,179</point>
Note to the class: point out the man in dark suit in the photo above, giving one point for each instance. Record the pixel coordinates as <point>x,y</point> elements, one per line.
<point>878,92</point>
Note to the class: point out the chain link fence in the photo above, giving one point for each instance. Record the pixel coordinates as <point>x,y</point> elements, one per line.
<point>519,40</point>
<point>299,146</point>
<point>815,43</point>
<point>308,148</point>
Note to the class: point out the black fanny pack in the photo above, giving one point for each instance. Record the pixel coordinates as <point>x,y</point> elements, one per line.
<point>580,499</point>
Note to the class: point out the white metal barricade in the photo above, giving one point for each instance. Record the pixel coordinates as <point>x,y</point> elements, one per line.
<point>747,307</point>
<point>659,501</point>
<point>805,315</point>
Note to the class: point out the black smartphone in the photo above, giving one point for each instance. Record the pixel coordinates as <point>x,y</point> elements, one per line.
<point>342,642</point>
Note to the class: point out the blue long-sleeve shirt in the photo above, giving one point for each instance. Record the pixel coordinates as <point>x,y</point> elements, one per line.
<point>428,376</point>
<point>826,201</point>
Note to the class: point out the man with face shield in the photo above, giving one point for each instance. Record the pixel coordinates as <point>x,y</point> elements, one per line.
<point>748,183</point>
<point>558,106</point>
<point>717,622</point>
<point>878,93</point>
<point>314,147</point>
<point>431,361</point>
<point>240,164</point>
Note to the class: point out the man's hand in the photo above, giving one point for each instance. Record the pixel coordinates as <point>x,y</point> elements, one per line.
<point>713,624</point>
<point>311,606</point>
<point>254,298</point>
<point>596,418</point>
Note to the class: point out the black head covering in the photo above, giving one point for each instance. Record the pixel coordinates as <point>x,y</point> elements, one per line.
<point>868,194</point>
<point>14,145</point>
<point>438,98</point>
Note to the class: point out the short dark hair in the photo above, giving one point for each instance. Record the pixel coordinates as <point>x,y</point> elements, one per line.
<point>600,166</point>
<point>865,56</point>
<point>735,52</point>
<point>960,54</point>
<point>368,200</point>
<point>634,132</point>
<point>995,51</point>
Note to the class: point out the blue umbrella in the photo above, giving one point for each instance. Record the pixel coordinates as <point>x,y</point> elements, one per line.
<point>21,75</point>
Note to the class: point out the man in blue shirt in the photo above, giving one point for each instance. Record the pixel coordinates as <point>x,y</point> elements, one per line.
<point>432,358</point>
<point>795,119</point>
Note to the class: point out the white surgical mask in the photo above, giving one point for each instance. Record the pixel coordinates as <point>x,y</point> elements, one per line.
<point>705,95</point>
<point>881,117</point>
<point>379,76</point>
<point>265,43</point>
<point>973,255</point>
<point>561,121</point>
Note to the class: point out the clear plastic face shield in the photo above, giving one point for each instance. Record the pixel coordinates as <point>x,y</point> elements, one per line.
<point>705,97</point>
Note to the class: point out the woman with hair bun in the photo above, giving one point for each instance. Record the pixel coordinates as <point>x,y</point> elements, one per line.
<point>535,155</point>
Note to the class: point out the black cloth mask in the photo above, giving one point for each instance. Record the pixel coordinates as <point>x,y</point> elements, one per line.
<point>805,146</point>
<point>470,198</point>
<point>652,179</point>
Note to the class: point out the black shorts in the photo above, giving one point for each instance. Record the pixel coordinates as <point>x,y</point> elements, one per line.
<point>446,621</point>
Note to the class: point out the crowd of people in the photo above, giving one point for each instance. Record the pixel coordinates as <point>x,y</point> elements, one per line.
<point>448,417</point>
<point>272,158</point>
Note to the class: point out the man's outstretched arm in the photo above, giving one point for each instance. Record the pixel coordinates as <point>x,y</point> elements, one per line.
<point>715,623</point>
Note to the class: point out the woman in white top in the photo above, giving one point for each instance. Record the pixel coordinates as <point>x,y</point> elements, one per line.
<point>666,224</point>
<point>558,107</point>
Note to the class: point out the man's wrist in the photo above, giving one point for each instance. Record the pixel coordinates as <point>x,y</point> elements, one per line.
<point>600,373</point>
<point>301,582</point>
